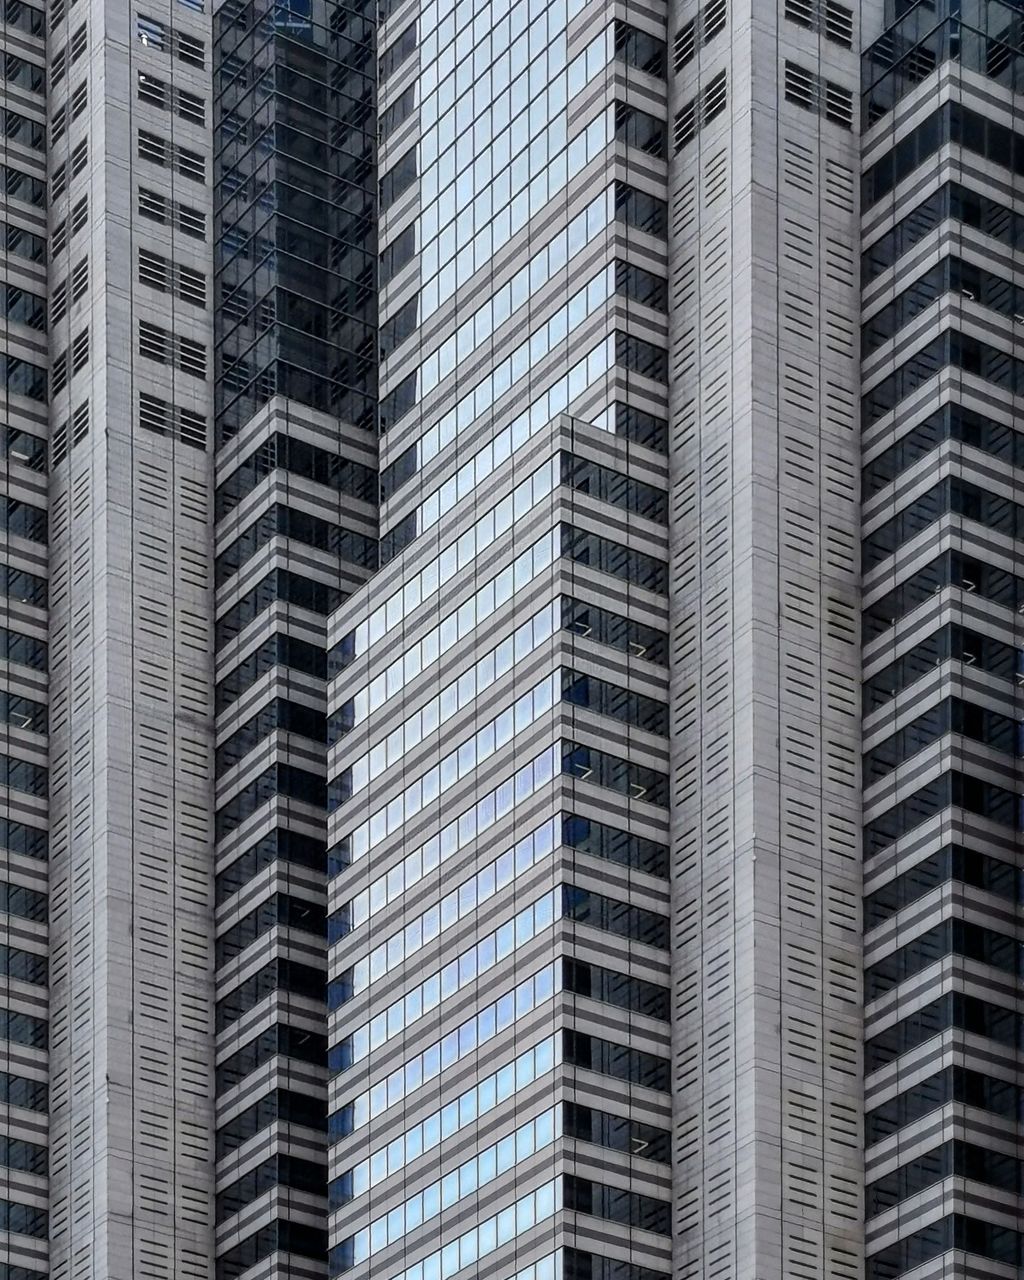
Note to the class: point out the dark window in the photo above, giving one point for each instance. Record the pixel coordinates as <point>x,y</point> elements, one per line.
<point>399,253</point>
<point>950,422</point>
<point>964,1013</point>
<point>312,531</point>
<point>617,1133</point>
<point>613,629</point>
<point>277,1171</point>
<point>638,129</point>
<point>951,569</point>
<point>995,803</point>
<point>627,1208</point>
<point>601,769</point>
<point>611,916</point>
<point>951,863</point>
<point>951,937</point>
<point>606,556</point>
<point>297,457</point>
<point>398,179</point>
<point>286,1041</point>
<point>282,1105</point>
<point>638,209</point>
<point>278,651</point>
<point>612,700</point>
<point>280,714</point>
<point>611,486</point>
<point>284,780</point>
<point>281,1236</point>
<point>279,584</point>
<point>602,841</point>
<point>641,357</point>
<point>609,986</point>
<point>279,846</point>
<point>577,1265</point>
<point>396,53</point>
<point>951,643</point>
<point>638,49</point>
<point>951,715</point>
<point>619,1061</point>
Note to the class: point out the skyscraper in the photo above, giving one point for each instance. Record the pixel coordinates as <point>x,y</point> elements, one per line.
<point>513,640</point>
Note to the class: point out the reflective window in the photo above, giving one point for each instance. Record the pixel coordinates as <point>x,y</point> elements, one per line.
<point>484,1238</point>
<point>461,902</point>
<point>492,950</point>
<point>488,810</point>
<point>437,1197</point>
<point>488,1093</point>
<point>483,1026</point>
<point>447,702</point>
<point>452,629</point>
<point>457,555</point>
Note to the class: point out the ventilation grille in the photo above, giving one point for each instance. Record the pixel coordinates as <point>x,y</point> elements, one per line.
<point>699,111</point>
<point>816,94</point>
<point>172,420</point>
<point>698,32</point>
<point>832,20</point>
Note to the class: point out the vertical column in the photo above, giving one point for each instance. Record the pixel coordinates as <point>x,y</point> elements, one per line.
<point>131,644</point>
<point>765,645</point>
<point>23,649</point>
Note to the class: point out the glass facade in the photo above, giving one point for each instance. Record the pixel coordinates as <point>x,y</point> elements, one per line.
<point>296,209</point>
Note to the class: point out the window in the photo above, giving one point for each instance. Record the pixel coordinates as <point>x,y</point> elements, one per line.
<point>151,33</point>
<point>601,626</point>
<point>23,243</point>
<point>627,1208</point>
<point>638,129</point>
<point>639,49</point>
<point>22,307</point>
<point>638,209</point>
<point>606,556</point>
<point>185,48</point>
<point>396,54</point>
<point>24,17</point>
<point>617,490</point>
<point>24,379</point>
<point>397,113</point>
<point>19,73</point>
<point>601,769</point>
<point>619,1061</point>
<point>23,186</point>
<point>24,131</point>
<point>398,179</point>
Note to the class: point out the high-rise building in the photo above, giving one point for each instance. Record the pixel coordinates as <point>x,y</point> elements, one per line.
<point>514,687</point>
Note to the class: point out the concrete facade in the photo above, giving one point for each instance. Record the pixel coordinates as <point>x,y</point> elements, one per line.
<point>511,634</point>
